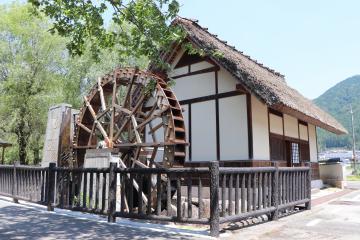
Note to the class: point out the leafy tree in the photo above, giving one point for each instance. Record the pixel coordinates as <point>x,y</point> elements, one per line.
<point>37,71</point>
<point>28,56</point>
<point>83,22</point>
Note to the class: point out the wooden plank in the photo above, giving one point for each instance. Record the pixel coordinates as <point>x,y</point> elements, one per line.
<point>254,192</point>
<point>158,194</point>
<point>200,198</point>
<point>248,192</point>
<point>243,192</point>
<point>189,192</point>
<point>84,205</point>
<point>223,197</point>
<point>140,192</point>
<point>97,190</point>
<point>104,190</point>
<point>230,201</point>
<point>168,195</point>
<point>237,186</point>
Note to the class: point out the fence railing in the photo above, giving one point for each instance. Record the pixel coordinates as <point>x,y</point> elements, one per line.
<point>189,195</point>
<point>24,183</point>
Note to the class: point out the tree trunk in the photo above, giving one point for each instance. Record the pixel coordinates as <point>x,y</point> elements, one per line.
<point>23,136</point>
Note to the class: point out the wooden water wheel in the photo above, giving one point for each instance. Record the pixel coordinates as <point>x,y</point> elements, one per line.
<point>136,113</point>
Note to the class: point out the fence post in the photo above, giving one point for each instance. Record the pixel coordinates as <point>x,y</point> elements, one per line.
<point>50,186</point>
<point>308,187</point>
<point>14,183</point>
<point>214,199</point>
<point>275,193</point>
<point>112,192</point>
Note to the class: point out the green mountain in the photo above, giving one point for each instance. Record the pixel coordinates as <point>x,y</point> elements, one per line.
<point>337,101</point>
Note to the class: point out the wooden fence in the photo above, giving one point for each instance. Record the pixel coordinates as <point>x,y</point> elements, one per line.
<point>211,196</point>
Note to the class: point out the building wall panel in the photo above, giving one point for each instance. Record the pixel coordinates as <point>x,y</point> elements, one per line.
<point>291,126</point>
<point>200,66</point>
<point>260,130</point>
<point>303,132</point>
<point>194,86</point>
<point>203,133</point>
<point>276,124</point>
<point>233,128</point>
<point>227,82</point>
<point>313,143</point>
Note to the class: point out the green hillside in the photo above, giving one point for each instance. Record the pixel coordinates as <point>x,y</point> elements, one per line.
<point>336,101</point>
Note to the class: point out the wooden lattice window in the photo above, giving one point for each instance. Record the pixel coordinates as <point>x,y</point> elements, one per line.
<point>277,146</point>
<point>304,152</point>
<point>295,154</point>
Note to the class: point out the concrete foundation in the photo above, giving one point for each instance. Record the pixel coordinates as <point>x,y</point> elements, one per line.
<point>333,174</point>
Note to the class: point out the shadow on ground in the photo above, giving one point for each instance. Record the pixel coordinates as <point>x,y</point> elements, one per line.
<point>23,223</point>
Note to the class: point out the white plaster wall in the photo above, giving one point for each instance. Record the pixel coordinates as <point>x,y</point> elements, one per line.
<point>233,128</point>
<point>186,121</point>
<point>303,132</point>
<point>312,143</point>
<point>291,126</point>
<point>276,124</point>
<point>179,71</point>
<point>260,130</point>
<point>226,82</point>
<point>195,86</point>
<point>200,66</point>
<point>203,131</point>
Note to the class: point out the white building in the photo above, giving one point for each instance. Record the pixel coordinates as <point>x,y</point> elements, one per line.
<point>240,112</point>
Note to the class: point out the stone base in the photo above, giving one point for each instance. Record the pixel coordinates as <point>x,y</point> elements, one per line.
<point>99,158</point>
<point>317,183</point>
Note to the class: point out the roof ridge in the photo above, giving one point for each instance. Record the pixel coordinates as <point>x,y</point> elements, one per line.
<point>195,22</point>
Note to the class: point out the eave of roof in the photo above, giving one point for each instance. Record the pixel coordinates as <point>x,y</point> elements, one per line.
<point>266,84</point>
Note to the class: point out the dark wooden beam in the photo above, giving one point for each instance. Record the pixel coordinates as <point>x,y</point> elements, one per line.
<point>250,127</point>
<point>210,97</point>
<point>206,70</point>
<point>217,117</point>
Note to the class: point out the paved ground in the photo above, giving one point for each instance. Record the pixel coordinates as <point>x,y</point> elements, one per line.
<point>337,219</point>
<point>334,220</point>
<point>19,222</point>
<point>353,184</point>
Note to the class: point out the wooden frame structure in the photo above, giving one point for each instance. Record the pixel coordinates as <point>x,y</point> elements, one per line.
<point>3,145</point>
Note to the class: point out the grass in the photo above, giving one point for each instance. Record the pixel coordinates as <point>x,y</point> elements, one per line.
<point>353,178</point>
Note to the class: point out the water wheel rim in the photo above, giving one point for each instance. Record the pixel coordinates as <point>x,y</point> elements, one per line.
<point>94,104</point>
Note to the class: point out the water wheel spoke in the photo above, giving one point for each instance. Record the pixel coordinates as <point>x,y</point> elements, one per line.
<point>145,127</point>
<point>102,98</point>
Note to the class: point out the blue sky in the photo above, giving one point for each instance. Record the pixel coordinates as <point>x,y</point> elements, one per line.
<point>315,44</point>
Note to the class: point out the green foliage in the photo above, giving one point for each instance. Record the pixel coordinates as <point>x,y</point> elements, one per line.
<point>150,87</point>
<point>143,26</point>
<point>37,71</point>
<point>337,102</point>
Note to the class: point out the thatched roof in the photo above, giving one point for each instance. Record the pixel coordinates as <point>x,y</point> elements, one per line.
<point>4,144</point>
<point>266,84</point>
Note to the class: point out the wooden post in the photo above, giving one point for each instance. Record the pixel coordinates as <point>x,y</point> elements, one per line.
<point>308,187</point>
<point>214,199</point>
<point>14,184</point>
<point>50,186</point>
<point>112,192</point>
<point>3,156</point>
<point>275,193</point>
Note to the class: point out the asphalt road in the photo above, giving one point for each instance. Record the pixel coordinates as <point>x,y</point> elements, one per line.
<point>20,222</point>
